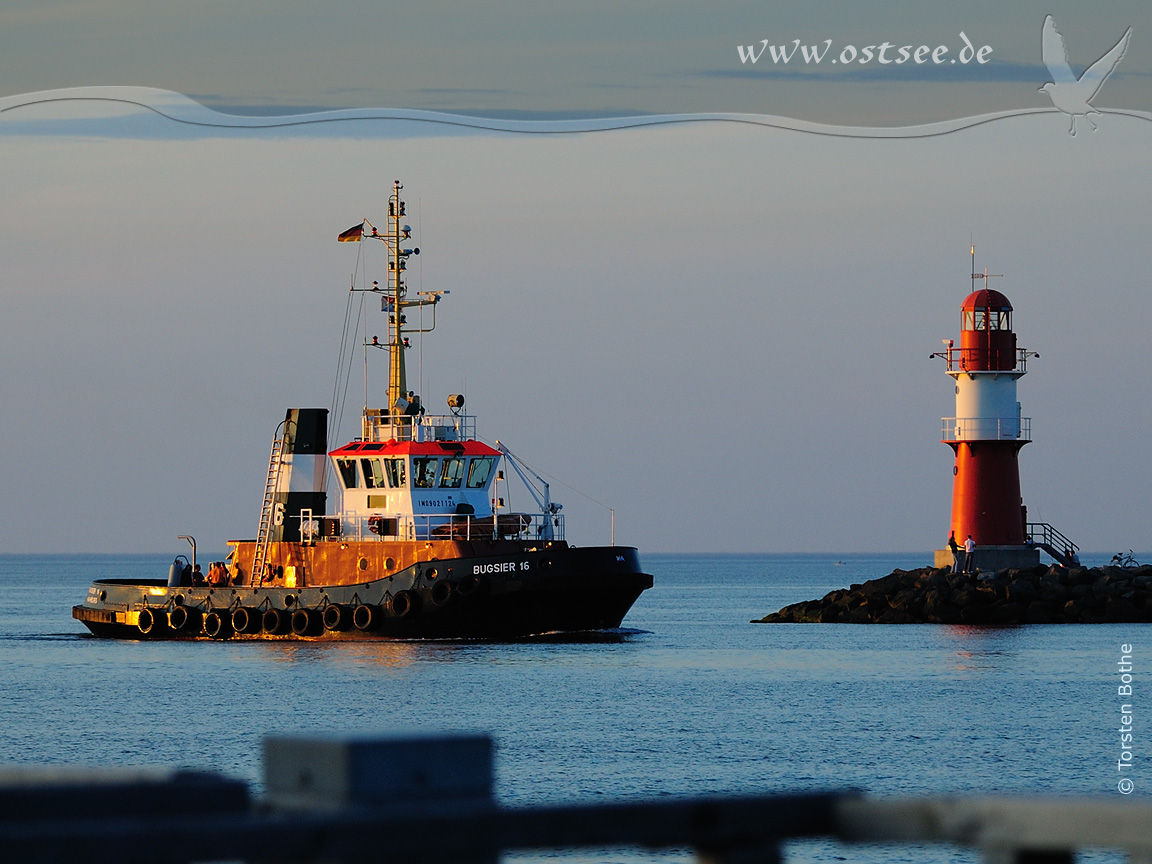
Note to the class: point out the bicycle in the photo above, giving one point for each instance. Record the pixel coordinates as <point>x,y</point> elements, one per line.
<point>1125,561</point>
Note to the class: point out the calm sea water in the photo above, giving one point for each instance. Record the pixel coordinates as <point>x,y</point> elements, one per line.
<point>692,699</point>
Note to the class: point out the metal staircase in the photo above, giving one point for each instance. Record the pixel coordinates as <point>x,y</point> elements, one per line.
<point>268,509</point>
<point>1044,536</point>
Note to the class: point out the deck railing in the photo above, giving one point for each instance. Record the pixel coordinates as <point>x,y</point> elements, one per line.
<point>378,425</point>
<point>430,526</point>
<point>429,801</point>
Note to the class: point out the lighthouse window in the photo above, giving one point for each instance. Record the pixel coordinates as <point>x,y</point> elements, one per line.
<point>394,468</point>
<point>981,319</point>
<point>452,473</point>
<point>424,472</point>
<point>969,322</point>
<point>347,472</point>
<point>479,471</point>
<point>373,474</point>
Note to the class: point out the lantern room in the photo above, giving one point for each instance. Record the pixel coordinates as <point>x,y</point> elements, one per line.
<point>987,342</point>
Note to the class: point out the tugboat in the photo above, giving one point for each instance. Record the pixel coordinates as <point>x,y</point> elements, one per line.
<point>418,545</point>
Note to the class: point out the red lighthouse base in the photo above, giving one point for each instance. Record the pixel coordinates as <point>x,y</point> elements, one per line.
<point>986,499</point>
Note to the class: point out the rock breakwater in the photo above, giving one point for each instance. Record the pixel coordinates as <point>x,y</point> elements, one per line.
<point>1041,595</point>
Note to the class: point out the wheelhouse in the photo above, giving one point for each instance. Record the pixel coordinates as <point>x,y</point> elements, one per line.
<point>404,488</point>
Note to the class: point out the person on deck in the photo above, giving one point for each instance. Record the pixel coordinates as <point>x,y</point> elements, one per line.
<point>969,553</point>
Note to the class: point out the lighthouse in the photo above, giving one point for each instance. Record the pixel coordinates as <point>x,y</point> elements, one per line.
<point>987,433</point>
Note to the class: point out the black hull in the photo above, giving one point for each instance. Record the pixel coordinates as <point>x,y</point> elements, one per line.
<point>492,598</point>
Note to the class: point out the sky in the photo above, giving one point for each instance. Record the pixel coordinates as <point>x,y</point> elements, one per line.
<point>719,327</point>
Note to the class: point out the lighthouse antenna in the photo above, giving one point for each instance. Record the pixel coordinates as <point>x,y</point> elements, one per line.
<point>985,275</point>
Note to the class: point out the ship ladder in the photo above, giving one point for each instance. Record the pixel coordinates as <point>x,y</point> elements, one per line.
<point>267,509</point>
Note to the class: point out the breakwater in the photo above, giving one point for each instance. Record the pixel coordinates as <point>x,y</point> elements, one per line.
<point>1040,595</point>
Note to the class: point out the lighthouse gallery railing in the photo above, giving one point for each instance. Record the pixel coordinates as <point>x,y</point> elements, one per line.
<point>986,429</point>
<point>977,360</point>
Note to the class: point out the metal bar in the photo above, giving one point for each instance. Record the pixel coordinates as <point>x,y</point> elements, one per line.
<point>428,801</point>
<point>422,833</point>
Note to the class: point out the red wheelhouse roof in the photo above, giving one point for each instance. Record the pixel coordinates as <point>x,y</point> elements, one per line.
<point>414,448</point>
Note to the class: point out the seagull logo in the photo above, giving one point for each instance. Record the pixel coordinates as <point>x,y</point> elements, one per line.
<point>1070,94</point>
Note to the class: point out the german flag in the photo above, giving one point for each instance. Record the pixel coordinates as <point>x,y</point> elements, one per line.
<point>352,235</point>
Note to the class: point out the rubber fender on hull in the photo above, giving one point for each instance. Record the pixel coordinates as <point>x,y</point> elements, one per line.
<point>404,603</point>
<point>468,585</point>
<point>277,621</point>
<point>306,622</point>
<point>337,617</point>
<point>442,593</point>
<point>152,621</point>
<point>246,620</point>
<point>366,617</point>
<point>183,619</point>
<point>218,624</point>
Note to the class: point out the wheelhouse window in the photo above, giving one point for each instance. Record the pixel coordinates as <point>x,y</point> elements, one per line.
<point>373,473</point>
<point>348,475</point>
<point>452,472</point>
<point>479,472</point>
<point>394,468</point>
<point>424,472</point>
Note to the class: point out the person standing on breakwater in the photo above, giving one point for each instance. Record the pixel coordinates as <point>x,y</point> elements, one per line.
<point>969,553</point>
<point>955,547</point>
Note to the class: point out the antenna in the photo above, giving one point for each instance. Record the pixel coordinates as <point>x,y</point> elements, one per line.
<point>985,275</point>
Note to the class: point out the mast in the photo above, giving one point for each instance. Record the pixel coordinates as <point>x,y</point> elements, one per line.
<point>403,407</point>
<point>397,376</point>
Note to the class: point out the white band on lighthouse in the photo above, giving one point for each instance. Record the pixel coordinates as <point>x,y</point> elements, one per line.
<point>986,408</point>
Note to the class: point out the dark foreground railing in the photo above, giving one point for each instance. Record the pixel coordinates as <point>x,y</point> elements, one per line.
<point>429,800</point>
